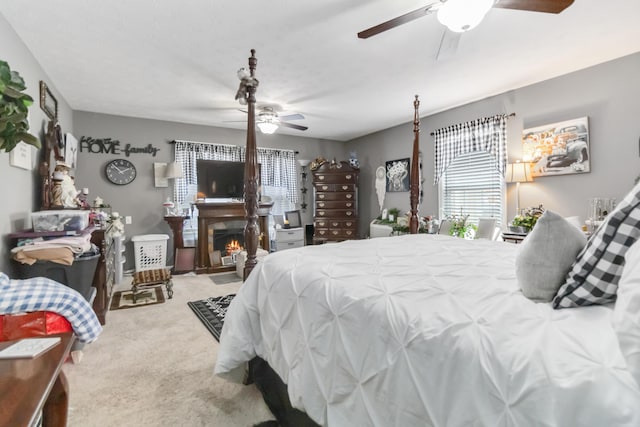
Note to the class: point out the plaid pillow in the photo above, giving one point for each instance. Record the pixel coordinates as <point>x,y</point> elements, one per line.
<point>594,277</point>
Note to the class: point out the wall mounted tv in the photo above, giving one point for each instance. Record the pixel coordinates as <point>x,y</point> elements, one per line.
<point>219,179</point>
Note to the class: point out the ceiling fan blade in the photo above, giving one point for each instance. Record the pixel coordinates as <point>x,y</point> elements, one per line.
<point>448,45</point>
<point>234,121</point>
<point>396,22</point>
<point>295,116</point>
<point>292,126</point>
<point>545,6</point>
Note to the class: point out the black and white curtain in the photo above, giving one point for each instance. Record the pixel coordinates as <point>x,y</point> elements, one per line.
<point>488,134</point>
<point>277,167</point>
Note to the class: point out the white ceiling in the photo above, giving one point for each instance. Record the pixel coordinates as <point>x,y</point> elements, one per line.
<point>177,61</point>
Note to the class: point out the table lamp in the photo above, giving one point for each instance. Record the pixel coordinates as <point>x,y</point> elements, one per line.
<point>518,172</point>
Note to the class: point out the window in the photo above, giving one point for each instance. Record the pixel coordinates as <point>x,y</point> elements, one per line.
<point>472,185</point>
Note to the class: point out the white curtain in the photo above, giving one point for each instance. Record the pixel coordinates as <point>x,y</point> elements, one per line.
<point>488,134</point>
<point>277,167</point>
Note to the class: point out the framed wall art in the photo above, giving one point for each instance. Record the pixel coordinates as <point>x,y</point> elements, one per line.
<point>20,156</point>
<point>71,150</point>
<point>397,174</point>
<point>558,148</point>
<point>48,103</point>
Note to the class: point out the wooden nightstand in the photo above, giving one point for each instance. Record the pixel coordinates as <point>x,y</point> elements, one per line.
<point>513,237</point>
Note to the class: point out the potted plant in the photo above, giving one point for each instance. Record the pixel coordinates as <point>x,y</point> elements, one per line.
<point>524,222</point>
<point>14,108</point>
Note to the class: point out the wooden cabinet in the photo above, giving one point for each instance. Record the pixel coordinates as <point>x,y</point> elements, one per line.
<point>335,189</point>
<point>104,276</point>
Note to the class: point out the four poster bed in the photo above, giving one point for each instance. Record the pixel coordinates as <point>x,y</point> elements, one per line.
<point>424,330</point>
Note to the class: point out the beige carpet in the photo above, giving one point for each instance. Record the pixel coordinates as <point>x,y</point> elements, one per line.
<point>153,366</point>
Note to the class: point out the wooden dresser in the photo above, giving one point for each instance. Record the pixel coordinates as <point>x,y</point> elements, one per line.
<point>335,190</point>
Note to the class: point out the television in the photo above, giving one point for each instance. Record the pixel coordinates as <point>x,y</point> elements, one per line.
<point>220,179</point>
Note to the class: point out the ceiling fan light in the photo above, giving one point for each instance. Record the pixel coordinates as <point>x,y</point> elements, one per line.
<point>463,15</point>
<point>267,127</point>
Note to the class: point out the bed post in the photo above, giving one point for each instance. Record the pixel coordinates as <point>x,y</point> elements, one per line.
<point>247,91</point>
<point>414,186</point>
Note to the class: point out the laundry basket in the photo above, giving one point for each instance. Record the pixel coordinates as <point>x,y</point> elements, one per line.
<point>150,251</point>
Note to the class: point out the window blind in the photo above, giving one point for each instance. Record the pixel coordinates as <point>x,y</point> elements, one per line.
<point>472,185</point>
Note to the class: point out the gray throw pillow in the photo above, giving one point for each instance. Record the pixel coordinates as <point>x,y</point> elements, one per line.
<point>546,255</point>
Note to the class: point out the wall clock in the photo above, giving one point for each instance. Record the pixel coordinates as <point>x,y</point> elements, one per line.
<point>120,171</point>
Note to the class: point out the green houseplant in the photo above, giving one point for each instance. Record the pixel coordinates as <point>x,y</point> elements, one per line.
<point>528,218</point>
<point>14,108</point>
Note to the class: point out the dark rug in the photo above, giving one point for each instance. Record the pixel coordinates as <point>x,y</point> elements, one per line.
<point>211,312</point>
<point>124,299</point>
<point>225,278</point>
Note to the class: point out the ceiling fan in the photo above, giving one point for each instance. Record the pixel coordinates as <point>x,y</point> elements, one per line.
<point>268,120</point>
<point>463,15</point>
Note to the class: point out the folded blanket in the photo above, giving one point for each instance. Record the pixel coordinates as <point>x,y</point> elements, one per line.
<point>61,255</point>
<point>42,294</point>
<point>77,244</point>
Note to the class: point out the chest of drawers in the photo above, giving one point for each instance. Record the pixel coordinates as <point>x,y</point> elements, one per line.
<point>335,188</point>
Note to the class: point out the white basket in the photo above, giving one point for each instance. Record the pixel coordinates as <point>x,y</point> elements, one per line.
<point>150,251</point>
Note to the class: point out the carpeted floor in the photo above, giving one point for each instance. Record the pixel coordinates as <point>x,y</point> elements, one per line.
<point>153,366</point>
<point>211,312</point>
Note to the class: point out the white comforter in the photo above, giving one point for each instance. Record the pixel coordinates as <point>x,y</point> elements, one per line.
<point>423,330</point>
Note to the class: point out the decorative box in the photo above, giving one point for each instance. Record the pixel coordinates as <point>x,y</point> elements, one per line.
<point>60,220</point>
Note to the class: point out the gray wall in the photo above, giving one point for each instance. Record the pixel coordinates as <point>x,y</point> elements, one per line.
<point>141,199</point>
<point>608,94</point>
<point>20,187</point>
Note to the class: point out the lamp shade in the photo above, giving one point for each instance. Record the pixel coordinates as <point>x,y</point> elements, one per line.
<point>304,162</point>
<point>174,170</point>
<point>463,15</point>
<point>518,172</point>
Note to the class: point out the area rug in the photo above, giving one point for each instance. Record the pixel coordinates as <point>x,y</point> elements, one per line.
<point>225,278</point>
<point>124,299</point>
<point>211,312</point>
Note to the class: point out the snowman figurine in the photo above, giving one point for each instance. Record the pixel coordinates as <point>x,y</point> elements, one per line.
<point>353,159</point>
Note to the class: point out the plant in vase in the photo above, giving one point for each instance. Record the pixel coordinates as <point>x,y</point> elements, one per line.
<point>460,227</point>
<point>524,222</point>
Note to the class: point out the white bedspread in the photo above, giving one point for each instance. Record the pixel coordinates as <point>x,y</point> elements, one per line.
<point>422,330</point>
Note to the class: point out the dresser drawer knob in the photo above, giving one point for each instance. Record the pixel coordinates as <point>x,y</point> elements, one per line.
<point>345,187</point>
<point>321,196</point>
<point>335,232</point>
<point>348,176</point>
<point>349,213</point>
<point>349,233</point>
<point>349,205</point>
<point>321,205</point>
<point>349,196</point>
<point>321,213</point>
<point>325,187</point>
<point>321,232</point>
<point>334,224</point>
<point>321,177</point>
<point>348,224</point>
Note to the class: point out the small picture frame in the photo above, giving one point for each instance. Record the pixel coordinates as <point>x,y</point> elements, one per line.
<point>227,260</point>
<point>293,218</point>
<point>48,102</point>
<point>215,258</point>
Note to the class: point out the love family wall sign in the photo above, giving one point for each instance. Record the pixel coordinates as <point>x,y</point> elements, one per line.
<point>113,146</point>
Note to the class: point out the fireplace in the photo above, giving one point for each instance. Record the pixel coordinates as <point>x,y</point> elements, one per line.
<point>221,234</point>
<point>225,240</point>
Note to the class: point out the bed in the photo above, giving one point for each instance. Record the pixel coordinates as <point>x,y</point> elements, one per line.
<point>435,330</point>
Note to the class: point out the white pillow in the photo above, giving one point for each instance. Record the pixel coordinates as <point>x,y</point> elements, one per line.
<point>626,312</point>
<point>547,255</point>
